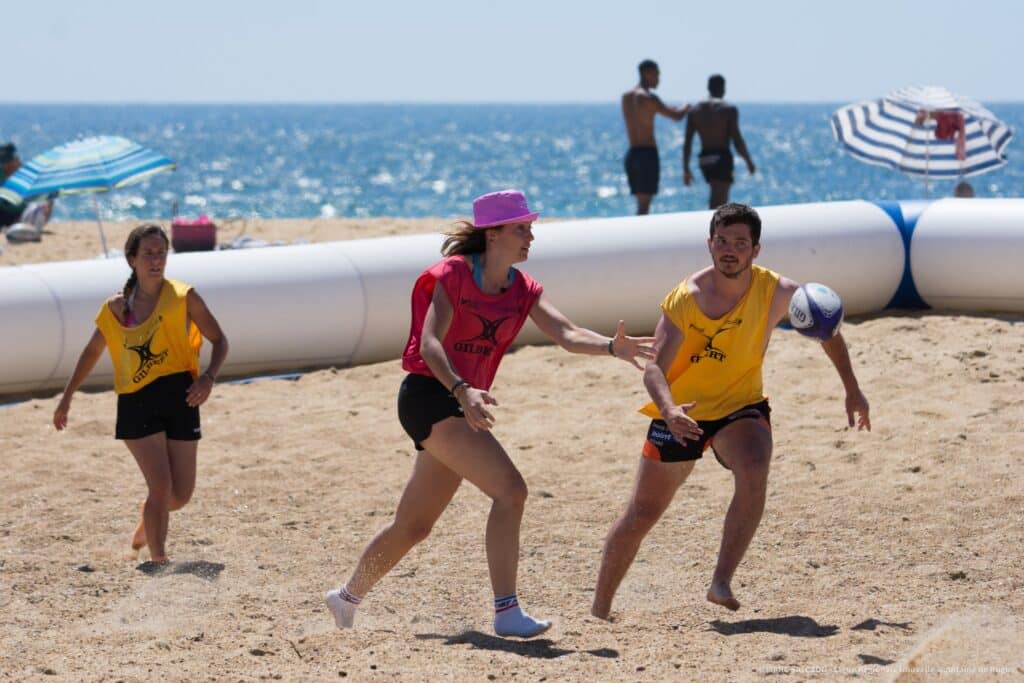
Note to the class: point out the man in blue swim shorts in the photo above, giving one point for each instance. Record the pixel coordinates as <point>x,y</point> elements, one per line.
<point>639,105</point>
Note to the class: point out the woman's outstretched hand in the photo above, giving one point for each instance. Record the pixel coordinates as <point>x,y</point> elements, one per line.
<point>631,349</point>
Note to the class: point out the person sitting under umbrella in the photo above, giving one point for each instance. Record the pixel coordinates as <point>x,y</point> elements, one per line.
<point>963,189</point>
<point>32,215</point>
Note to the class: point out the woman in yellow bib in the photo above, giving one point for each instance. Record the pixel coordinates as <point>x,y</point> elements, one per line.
<point>705,386</point>
<point>153,330</point>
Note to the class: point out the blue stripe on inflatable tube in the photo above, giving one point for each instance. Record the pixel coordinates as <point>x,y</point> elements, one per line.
<point>905,215</point>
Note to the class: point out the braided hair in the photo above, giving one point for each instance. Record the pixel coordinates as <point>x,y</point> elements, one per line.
<point>131,248</point>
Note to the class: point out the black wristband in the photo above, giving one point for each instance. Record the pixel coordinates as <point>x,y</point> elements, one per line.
<point>457,385</point>
<point>611,346</point>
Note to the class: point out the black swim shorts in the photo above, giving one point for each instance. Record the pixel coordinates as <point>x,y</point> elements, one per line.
<point>643,168</point>
<point>423,402</point>
<point>663,447</point>
<point>716,164</point>
<point>159,407</point>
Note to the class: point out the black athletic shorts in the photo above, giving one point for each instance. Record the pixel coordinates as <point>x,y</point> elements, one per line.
<point>422,403</point>
<point>716,164</point>
<point>663,447</point>
<point>159,407</point>
<point>643,168</point>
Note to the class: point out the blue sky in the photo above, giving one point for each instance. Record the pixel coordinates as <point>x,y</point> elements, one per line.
<point>525,51</point>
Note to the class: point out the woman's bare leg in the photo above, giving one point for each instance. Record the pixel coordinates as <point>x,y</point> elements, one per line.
<point>182,456</point>
<point>480,459</point>
<point>426,495</point>
<point>151,455</point>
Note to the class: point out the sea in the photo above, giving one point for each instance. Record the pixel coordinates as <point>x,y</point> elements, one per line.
<point>430,160</point>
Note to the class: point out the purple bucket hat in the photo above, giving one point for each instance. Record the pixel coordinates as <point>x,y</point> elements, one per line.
<point>499,208</point>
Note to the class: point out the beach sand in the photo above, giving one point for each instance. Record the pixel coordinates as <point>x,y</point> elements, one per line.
<point>81,239</point>
<point>890,555</point>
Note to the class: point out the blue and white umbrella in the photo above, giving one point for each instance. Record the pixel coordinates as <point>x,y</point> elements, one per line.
<point>95,164</point>
<point>899,131</point>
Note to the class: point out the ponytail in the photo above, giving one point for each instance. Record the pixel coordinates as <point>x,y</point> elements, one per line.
<point>464,239</point>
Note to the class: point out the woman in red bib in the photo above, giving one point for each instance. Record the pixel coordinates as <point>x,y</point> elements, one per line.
<point>466,311</point>
<point>153,330</point>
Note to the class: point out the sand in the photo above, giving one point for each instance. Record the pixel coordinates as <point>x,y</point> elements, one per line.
<point>890,555</point>
<point>81,239</point>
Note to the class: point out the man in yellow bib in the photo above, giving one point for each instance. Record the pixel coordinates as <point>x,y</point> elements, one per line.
<point>705,382</point>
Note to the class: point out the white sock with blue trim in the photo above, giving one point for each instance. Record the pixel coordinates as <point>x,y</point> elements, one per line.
<point>342,605</point>
<point>511,620</point>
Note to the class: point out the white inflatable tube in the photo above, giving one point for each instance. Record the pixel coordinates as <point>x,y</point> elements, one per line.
<point>968,255</point>
<point>288,311</point>
<point>602,270</point>
<point>292,308</point>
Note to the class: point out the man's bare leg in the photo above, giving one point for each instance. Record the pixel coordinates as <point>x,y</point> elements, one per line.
<point>643,204</point>
<point>719,193</point>
<point>746,448</point>
<point>656,484</point>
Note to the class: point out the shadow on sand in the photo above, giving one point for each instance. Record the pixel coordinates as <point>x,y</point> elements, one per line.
<point>202,569</point>
<point>872,624</point>
<point>541,648</point>
<point>798,627</point>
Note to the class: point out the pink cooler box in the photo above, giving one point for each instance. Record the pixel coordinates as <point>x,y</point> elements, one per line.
<point>193,235</point>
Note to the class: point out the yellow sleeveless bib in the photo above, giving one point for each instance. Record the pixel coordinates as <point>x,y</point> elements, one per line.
<point>719,361</point>
<point>164,344</point>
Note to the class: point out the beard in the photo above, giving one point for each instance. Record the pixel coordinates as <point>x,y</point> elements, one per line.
<point>740,268</point>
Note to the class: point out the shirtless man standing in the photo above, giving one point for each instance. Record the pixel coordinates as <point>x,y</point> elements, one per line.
<point>639,105</point>
<point>717,123</point>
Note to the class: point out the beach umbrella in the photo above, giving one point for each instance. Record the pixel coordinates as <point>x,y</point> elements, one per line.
<point>923,131</point>
<point>94,164</point>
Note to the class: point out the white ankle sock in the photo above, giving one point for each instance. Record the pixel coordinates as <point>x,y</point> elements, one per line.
<point>342,605</point>
<point>511,620</point>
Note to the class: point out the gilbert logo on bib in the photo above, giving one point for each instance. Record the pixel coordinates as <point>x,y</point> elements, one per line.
<point>710,350</point>
<point>488,334</point>
<point>147,359</point>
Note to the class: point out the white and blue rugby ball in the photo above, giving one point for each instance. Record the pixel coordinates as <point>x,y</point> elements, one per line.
<point>816,311</point>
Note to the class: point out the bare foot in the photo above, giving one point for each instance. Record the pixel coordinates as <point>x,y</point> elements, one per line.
<point>139,537</point>
<point>600,614</point>
<point>721,594</point>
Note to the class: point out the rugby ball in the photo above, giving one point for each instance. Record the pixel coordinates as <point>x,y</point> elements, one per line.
<point>816,311</point>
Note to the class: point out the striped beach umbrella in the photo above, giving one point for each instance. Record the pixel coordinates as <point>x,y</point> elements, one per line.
<point>924,131</point>
<point>95,164</point>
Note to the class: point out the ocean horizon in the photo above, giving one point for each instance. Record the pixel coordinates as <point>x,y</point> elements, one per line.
<point>298,160</point>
